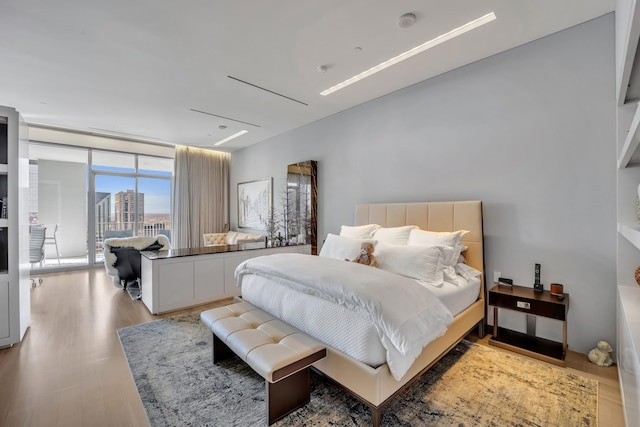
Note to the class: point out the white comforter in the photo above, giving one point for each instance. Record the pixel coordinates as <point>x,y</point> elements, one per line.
<point>407,316</point>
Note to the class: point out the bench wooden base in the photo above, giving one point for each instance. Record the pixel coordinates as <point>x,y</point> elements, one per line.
<point>284,396</point>
<point>278,352</point>
<point>287,395</point>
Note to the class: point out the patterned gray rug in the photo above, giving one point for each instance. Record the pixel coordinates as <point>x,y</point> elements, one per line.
<point>473,385</point>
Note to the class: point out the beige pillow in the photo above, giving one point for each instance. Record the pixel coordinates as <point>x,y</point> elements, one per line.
<point>211,239</point>
<point>232,236</point>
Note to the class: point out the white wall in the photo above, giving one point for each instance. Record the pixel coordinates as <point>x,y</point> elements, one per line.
<point>530,132</point>
<point>62,200</point>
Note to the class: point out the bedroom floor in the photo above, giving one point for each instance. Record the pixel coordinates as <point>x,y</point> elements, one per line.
<point>70,369</point>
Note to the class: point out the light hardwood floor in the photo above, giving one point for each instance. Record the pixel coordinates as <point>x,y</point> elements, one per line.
<point>70,369</point>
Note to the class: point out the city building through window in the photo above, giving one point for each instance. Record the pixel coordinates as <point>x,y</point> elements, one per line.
<point>125,194</point>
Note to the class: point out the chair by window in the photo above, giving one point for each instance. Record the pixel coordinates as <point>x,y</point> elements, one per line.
<point>36,247</point>
<point>53,240</point>
<point>122,257</point>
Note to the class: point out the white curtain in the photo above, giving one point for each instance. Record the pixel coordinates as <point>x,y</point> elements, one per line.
<point>201,195</point>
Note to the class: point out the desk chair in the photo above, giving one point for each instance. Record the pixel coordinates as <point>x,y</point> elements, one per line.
<point>52,240</point>
<point>36,247</point>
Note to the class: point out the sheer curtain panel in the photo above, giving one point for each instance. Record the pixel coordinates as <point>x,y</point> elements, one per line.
<point>201,195</point>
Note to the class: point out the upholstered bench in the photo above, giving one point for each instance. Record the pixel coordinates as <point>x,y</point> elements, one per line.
<point>280,353</point>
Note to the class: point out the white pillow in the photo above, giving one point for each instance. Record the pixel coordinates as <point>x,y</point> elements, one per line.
<point>394,235</point>
<point>436,238</point>
<point>467,272</point>
<point>231,238</point>
<point>453,239</point>
<point>359,231</point>
<point>424,263</point>
<point>341,247</point>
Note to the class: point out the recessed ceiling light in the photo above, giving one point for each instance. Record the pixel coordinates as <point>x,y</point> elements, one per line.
<point>407,20</point>
<point>416,50</point>
<point>229,138</point>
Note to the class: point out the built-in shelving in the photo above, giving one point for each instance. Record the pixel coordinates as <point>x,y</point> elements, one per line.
<point>630,147</point>
<point>627,33</point>
<point>14,239</point>
<point>628,346</point>
<point>631,233</point>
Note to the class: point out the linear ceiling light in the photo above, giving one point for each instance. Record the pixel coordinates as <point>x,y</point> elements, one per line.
<point>229,138</point>
<point>416,50</point>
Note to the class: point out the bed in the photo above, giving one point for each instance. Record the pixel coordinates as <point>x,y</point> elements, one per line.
<point>365,372</point>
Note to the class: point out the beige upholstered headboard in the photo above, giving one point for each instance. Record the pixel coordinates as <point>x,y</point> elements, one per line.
<point>433,216</point>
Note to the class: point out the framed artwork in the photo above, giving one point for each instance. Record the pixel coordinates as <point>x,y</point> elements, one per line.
<point>254,203</point>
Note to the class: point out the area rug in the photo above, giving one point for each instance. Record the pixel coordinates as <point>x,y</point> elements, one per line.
<point>473,385</point>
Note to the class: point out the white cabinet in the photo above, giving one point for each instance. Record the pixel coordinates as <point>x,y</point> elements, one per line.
<point>4,310</point>
<point>175,282</point>
<point>208,278</point>
<point>15,312</point>
<point>628,247</point>
<point>627,356</point>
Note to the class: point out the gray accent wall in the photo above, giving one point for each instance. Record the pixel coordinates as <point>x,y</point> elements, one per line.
<point>530,132</point>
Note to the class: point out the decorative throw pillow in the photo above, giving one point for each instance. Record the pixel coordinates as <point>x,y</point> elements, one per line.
<point>341,247</point>
<point>394,235</point>
<point>359,231</point>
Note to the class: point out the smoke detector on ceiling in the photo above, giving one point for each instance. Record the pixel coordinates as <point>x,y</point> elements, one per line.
<point>406,20</point>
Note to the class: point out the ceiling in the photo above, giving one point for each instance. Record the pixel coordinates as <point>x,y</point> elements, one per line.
<point>176,72</point>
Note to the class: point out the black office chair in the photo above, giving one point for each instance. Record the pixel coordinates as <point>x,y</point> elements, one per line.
<point>128,263</point>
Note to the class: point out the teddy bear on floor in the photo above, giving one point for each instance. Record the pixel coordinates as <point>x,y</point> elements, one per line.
<point>600,355</point>
<point>366,255</point>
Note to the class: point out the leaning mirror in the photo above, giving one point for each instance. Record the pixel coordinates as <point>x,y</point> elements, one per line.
<point>302,222</point>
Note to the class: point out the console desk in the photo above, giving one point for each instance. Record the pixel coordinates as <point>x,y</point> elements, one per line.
<point>181,278</point>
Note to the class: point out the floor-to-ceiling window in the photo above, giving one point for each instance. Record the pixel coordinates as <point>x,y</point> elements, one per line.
<point>58,200</point>
<point>132,196</point>
<point>124,194</point>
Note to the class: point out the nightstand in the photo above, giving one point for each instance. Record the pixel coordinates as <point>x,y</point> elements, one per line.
<point>525,300</point>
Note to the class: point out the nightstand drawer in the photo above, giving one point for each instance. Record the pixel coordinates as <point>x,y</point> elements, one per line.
<point>526,300</point>
<point>538,306</point>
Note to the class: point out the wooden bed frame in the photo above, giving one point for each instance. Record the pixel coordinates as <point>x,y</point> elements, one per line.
<point>376,387</point>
